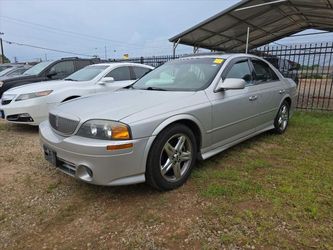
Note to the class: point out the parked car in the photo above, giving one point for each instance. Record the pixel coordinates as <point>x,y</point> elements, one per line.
<point>287,68</point>
<point>154,131</point>
<point>6,66</point>
<point>30,104</point>
<point>45,71</point>
<point>14,71</point>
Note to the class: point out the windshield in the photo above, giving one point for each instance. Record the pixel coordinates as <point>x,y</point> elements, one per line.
<point>35,70</point>
<point>3,67</point>
<point>86,74</point>
<point>190,74</point>
<point>5,71</point>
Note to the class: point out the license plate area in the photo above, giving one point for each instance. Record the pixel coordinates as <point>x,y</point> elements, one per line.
<point>50,155</point>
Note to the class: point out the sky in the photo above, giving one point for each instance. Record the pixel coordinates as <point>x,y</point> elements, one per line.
<point>104,27</point>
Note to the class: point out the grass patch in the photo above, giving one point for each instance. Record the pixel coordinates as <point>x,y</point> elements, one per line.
<point>274,190</point>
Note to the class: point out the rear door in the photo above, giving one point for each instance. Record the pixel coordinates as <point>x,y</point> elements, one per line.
<point>234,111</point>
<point>270,89</point>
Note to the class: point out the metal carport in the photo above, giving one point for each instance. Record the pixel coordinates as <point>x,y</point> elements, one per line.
<point>267,21</point>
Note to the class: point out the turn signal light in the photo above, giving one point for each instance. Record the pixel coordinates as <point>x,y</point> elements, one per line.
<point>120,146</point>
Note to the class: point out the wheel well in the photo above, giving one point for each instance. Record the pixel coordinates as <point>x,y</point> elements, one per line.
<point>70,98</point>
<point>194,127</point>
<point>288,100</point>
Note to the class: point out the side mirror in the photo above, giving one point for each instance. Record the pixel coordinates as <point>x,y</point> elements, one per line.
<point>230,83</point>
<point>106,80</point>
<point>51,73</point>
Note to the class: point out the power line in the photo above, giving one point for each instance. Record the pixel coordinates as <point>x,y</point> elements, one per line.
<point>74,33</point>
<point>44,48</point>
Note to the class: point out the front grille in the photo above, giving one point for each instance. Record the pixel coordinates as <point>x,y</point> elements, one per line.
<point>5,102</point>
<point>63,125</point>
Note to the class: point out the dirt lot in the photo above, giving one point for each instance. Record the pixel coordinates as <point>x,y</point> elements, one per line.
<point>269,192</point>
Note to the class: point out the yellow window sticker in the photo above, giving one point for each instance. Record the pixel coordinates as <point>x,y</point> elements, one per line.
<point>218,60</point>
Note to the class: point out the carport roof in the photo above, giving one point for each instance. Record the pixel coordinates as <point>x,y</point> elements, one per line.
<point>227,31</point>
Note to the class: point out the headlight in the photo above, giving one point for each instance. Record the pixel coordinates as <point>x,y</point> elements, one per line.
<point>105,130</point>
<point>1,83</point>
<point>8,96</point>
<point>33,95</point>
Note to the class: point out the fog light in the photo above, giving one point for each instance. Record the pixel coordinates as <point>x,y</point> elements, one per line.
<point>84,173</point>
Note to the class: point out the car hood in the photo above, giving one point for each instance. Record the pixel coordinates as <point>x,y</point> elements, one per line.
<point>120,104</point>
<point>39,86</point>
<point>20,78</point>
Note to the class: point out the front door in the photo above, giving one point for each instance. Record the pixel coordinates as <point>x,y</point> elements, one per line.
<point>234,111</point>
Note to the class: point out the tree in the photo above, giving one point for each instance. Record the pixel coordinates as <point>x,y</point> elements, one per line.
<point>6,59</point>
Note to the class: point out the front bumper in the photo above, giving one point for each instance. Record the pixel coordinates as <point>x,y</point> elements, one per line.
<point>31,112</point>
<point>76,154</point>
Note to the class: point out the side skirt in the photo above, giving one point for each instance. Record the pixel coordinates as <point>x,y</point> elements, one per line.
<point>217,150</point>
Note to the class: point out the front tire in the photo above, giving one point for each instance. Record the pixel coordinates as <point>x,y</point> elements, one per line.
<point>282,118</point>
<point>171,158</point>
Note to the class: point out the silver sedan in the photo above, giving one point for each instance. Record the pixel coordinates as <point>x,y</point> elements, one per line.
<point>188,109</point>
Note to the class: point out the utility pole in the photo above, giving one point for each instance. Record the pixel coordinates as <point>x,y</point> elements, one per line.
<point>1,45</point>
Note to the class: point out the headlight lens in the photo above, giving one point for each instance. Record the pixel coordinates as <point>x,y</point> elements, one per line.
<point>105,130</point>
<point>33,95</point>
<point>8,96</point>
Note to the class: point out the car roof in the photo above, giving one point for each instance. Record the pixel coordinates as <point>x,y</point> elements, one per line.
<point>219,55</point>
<point>120,64</point>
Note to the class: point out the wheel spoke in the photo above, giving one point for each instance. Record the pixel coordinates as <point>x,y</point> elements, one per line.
<point>176,170</point>
<point>169,149</point>
<point>185,156</point>
<point>280,120</point>
<point>180,143</point>
<point>166,167</point>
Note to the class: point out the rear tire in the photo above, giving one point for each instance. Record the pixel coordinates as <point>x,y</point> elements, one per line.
<point>282,118</point>
<point>171,158</point>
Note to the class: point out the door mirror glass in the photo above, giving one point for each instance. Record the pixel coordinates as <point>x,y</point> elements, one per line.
<point>231,83</point>
<point>106,80</point>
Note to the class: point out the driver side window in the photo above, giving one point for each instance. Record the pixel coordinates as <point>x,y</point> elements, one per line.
<point>62,69</point>
<point>241,70</point>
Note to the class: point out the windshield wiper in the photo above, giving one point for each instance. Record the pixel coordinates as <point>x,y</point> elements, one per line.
<point>155,88</point>
<point>70,79</point>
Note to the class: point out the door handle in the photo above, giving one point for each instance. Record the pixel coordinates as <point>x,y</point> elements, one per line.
<point>253,98</point>
<point>282,91</point>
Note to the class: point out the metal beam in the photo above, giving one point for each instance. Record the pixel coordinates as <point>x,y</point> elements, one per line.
<point>239,48</point>
<point>232,26</point>
<point>254,39</point>
<point>175,44</point>
<point>222,35</point>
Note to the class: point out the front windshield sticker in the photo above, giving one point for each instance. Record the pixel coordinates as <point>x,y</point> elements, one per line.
<point>218,60</point>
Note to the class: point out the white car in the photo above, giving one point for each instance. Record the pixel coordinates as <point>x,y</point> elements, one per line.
<point>30,104</point>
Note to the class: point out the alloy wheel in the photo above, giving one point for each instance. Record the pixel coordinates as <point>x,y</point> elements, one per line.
<point>176,157</point>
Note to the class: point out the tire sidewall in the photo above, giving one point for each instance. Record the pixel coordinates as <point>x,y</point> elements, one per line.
<point>153,173</point>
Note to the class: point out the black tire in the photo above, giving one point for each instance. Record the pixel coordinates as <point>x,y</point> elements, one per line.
<point>281,120</point>
<point>159,154</point>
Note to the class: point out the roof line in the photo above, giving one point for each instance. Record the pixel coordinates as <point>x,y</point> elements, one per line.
<point>237,5</point>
